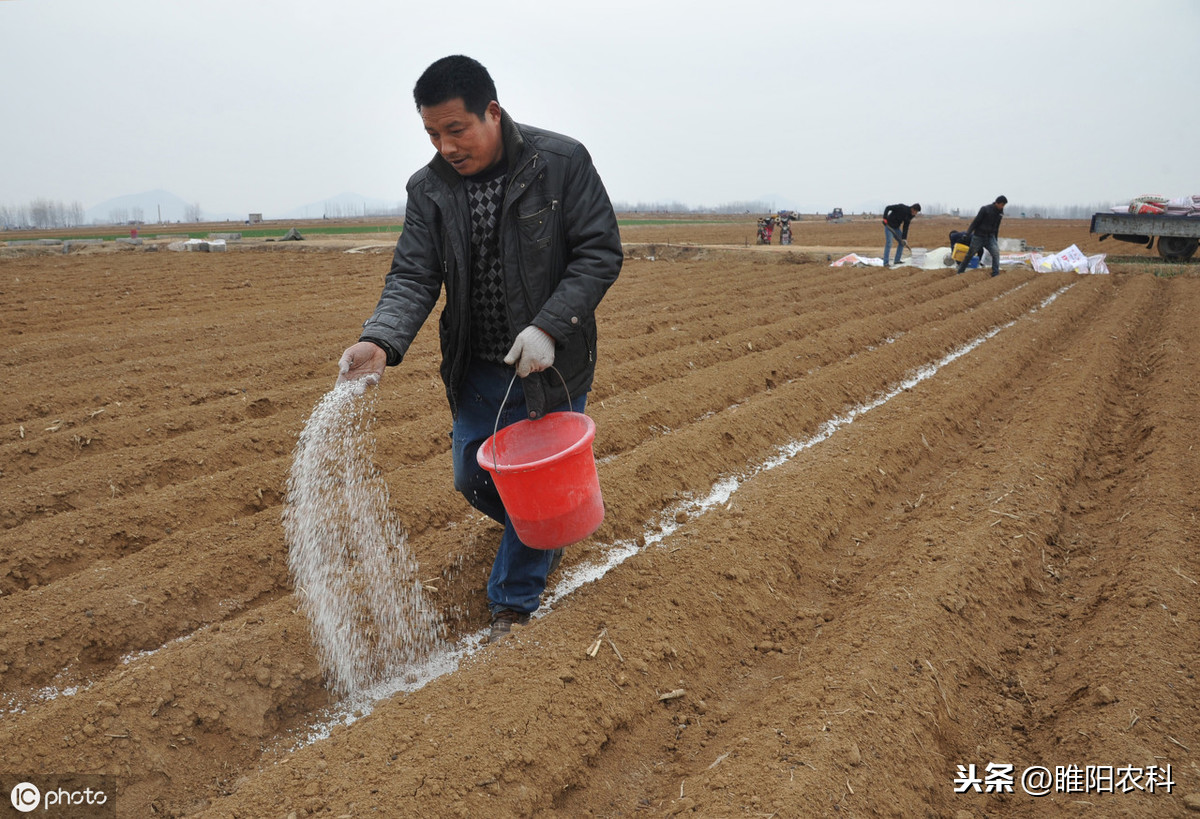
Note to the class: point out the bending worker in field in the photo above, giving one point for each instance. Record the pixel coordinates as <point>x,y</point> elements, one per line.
<point>896,219</point>
<point>515,225</point>
<point>985,232</point>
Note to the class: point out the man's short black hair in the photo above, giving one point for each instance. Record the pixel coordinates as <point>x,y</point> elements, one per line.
<point>916,207</point>
<point>1001,200</point>
<point>456,77</point>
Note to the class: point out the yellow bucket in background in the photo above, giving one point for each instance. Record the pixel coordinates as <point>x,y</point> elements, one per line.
<point>960,252</point>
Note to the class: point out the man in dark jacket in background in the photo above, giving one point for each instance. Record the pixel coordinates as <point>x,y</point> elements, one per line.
<point>515,224</point>
<point>985,232</point>
<point>896,219</point>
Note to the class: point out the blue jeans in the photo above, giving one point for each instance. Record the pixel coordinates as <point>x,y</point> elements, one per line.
<point>888,235</point>
<point>978,243</point>
<point>518,572</point>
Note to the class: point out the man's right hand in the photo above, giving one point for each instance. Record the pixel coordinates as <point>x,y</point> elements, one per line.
<point>363,360</point>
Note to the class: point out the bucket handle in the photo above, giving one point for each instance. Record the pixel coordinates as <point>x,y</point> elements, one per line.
<point>507,392</point>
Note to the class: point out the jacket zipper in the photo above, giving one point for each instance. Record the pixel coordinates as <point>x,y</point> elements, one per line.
<point>520,266</point>
<point>464,349</point>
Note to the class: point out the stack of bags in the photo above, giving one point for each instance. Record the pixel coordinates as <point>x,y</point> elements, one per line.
<point>1071,259</point>
<point>1160,205</point>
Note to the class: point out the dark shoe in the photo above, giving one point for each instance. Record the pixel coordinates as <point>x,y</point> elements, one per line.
<point>555,560</point>
<point>503,621</point>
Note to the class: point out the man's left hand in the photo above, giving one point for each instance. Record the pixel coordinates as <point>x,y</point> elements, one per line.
<point>532,352</point>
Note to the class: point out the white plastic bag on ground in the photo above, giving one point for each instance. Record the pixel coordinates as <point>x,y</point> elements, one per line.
<point>1069,260</point>
<point>853,260</point>
<point>1096,264</point>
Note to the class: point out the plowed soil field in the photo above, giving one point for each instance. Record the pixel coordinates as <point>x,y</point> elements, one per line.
<point>865,529</point>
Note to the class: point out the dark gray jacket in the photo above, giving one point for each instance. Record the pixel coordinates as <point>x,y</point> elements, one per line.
<point>987,222</point>
<point>559,246</point>
<point>897,217</point>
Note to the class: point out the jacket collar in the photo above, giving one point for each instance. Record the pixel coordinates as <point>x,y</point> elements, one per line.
<point>514,146</point>
<point>514,141</point>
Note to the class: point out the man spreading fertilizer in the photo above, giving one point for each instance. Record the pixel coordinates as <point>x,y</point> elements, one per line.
<point>515,224</point>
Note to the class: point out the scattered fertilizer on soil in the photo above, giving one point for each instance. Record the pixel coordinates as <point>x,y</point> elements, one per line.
<point>355,578</point>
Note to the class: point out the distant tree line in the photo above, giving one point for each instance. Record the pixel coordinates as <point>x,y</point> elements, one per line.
<point>41,213</point>
<point>136,215</point>
<point>1024,211</point>
<point>1056,211</point>
<point>1014,209</point>
<point>44,213</point>
<point>126,216</point>
<point>679,207</point>
<point>344,210</point>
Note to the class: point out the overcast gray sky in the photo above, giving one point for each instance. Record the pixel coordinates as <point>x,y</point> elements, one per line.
<point>268,105</point>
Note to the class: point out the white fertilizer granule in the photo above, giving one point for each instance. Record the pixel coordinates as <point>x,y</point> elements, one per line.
<point>356,580</point>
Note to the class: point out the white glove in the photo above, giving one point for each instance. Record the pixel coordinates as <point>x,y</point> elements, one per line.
<point>532,352</point>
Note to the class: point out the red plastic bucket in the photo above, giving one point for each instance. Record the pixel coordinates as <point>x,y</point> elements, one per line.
<point>545,473</point>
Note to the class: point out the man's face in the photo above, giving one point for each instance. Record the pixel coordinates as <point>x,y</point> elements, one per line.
<point>469,143</point>
<point>1001,205</point>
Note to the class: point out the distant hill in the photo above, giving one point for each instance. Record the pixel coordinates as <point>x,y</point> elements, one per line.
<point>151,206</point>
